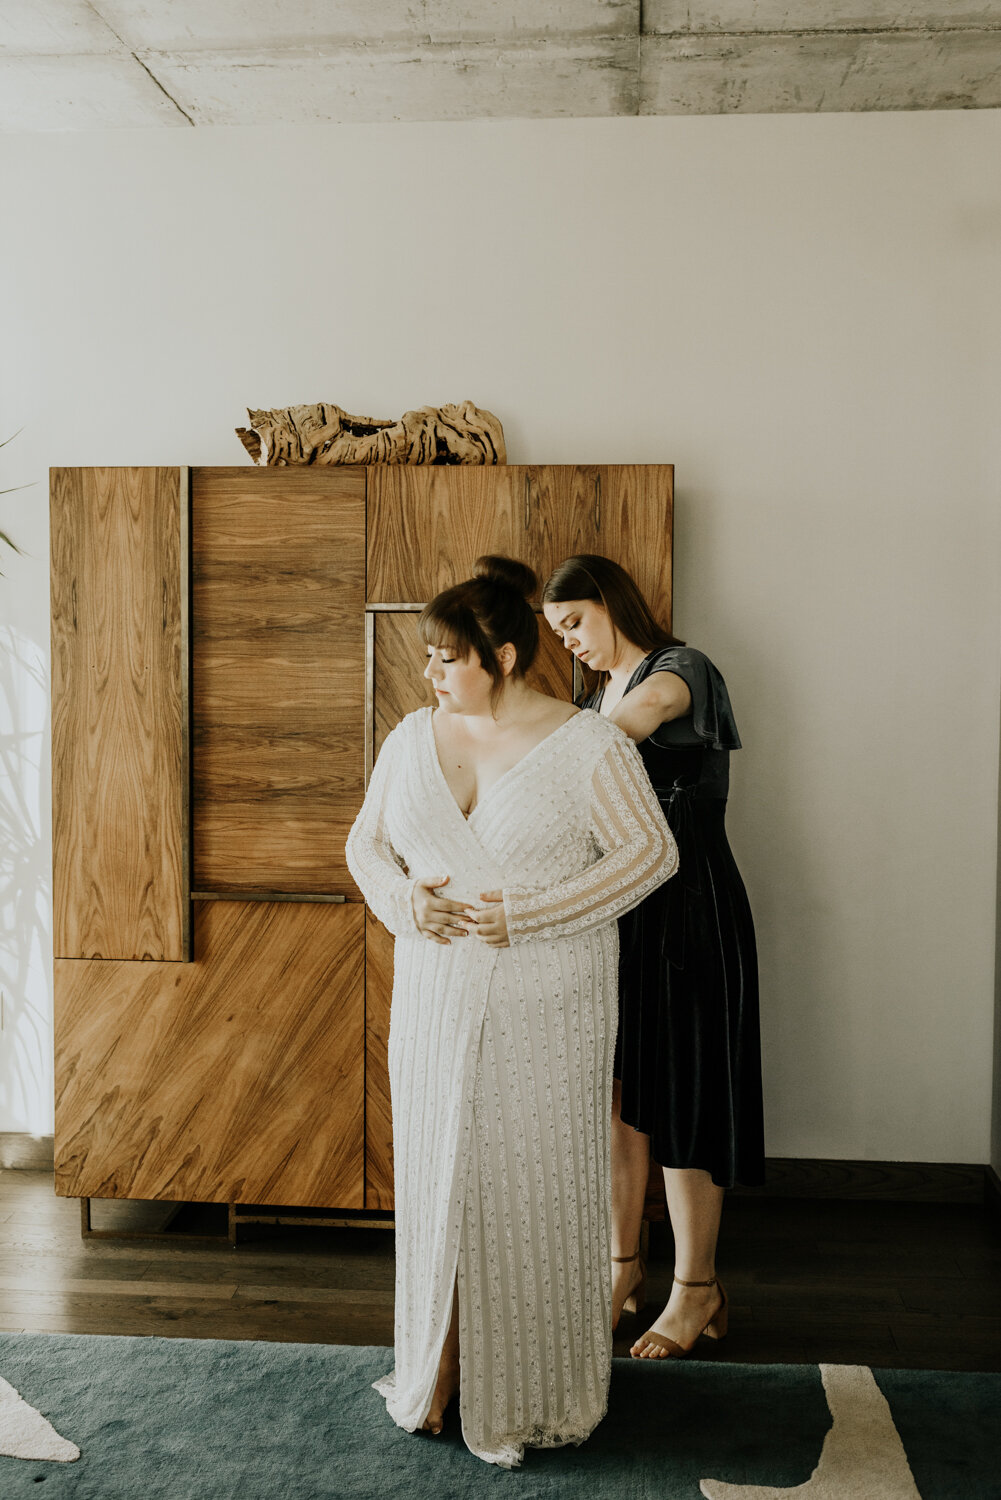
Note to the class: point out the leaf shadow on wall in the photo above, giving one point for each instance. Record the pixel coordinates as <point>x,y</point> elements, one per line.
<point>25,888</point>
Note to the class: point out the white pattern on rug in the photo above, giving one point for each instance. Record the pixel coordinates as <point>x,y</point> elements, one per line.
<point>862,1457</point>
<point>25,1433</point>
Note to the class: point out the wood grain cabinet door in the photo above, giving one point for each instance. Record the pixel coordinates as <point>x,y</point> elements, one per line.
<point>621,511</point>
<point>635,527</point>
<point>237,1078</point>
<point>427,527</point>
<point>378,1107</point>
<point>278,677</point>
<point>119,714</point>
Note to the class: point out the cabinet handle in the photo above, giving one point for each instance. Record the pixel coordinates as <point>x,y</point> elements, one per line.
<point>597,502</point>
<point>528,503</point>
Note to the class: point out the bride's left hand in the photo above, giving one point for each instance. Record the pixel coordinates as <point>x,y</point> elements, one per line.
<point>489,922</point>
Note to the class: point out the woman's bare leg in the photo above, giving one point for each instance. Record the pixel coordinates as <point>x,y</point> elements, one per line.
<point>448,1372</point>
<point>695,1205</point>
<point>630,1170</point>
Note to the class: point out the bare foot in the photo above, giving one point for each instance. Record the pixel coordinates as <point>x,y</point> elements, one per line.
<point>683,1319</point>
<point>625,1280</point>
<point>446,1388</point>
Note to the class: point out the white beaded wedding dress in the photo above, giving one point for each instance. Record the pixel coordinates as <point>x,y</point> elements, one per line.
<point>500,1064</point>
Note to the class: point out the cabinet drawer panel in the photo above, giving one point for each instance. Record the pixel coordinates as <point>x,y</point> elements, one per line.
<point>236,1078</point>
<point>119,748</point>
<point>278,683</point>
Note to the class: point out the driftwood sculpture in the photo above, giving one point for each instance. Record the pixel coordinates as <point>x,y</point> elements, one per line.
<point>324,434</point>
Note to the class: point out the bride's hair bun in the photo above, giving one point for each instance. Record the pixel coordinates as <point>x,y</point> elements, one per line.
<point>484,613</point>
<point>508,572</point>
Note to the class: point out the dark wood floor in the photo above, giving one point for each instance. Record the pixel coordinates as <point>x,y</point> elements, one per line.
<point>882,1284</point>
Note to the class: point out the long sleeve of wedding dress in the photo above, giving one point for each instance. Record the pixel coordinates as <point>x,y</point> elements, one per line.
<point>640,853</point>
<point>377,868</point>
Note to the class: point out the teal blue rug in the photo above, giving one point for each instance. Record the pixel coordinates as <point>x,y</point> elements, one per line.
<point>176,1419</point>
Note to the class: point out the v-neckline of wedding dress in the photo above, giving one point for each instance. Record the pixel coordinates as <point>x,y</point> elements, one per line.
<point>433,748</point>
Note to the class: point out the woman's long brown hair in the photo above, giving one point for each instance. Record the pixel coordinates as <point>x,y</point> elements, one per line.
<point>588,576</point>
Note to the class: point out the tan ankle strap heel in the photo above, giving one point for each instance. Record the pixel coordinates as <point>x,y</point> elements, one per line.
<point>661,1347</point>
<point>636,1300</point>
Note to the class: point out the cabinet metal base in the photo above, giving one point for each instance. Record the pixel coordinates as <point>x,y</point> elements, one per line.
<point>237,1215</point>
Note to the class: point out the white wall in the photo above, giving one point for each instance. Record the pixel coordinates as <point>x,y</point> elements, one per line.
<point>800,312</point>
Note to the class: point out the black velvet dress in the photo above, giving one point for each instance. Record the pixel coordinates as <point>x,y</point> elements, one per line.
<point>688,1051</point>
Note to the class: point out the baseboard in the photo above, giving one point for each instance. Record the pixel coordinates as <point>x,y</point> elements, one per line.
<point>878,1181</point>
<point>33,1153</point>
<point>785,1177</point>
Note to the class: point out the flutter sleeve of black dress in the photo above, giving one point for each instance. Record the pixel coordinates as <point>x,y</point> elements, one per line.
<point>711,721</point>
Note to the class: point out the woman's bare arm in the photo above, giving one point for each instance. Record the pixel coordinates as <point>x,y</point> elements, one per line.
<point>663,696</point>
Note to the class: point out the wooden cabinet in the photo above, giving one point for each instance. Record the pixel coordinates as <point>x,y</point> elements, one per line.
<point>241,1058</point>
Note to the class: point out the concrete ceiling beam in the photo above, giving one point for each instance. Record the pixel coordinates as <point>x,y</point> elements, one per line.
<point>738,18</point>
<point>551,79</point>
<point>226,25</point>
<point>820,72</point>
<point>76,64</point>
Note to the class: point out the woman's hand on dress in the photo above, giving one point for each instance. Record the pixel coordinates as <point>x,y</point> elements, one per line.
<point>434,915</point>
<point>489,922</point>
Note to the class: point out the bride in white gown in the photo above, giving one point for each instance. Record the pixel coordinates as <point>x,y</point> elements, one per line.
<point>501,835</point>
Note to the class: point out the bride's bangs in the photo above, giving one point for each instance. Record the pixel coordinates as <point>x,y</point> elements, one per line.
<point>447,625</point>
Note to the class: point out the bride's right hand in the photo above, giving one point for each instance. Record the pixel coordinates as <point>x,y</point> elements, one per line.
<point>435,915</point>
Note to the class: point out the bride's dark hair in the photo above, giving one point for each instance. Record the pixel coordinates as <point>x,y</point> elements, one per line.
<point>486,612</point>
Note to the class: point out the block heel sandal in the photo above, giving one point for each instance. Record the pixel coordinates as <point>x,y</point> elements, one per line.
<point>636,1301</point>
<point>716,1328</point>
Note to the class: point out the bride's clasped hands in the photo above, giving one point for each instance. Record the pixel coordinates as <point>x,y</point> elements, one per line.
<point>441,920</point>
<point>489,922</point>
<point>437,918</point>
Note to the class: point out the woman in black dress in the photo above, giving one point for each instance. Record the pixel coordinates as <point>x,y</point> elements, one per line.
<point>687,1061</point>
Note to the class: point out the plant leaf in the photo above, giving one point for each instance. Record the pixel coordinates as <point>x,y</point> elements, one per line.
<point>12,490</point>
